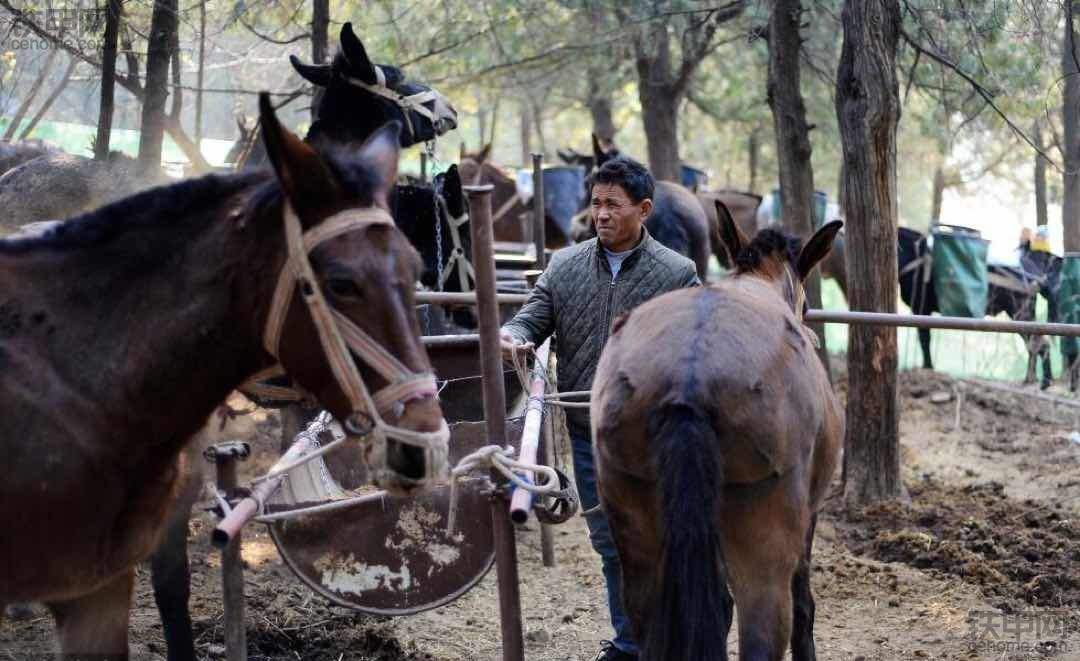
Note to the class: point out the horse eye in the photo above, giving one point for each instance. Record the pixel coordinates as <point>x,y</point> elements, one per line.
<point>343,288</point>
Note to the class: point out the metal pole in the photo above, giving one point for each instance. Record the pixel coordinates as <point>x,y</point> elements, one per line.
<point>547,534</point>
<point>945,323</point>
<point>458,298</point>
<point>423,167</point>
<point>495,417</point>
<point>225,456</point>
<point>539,240</point>
<point>521,500</point>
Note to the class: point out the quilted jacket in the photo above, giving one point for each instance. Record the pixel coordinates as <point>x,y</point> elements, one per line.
<point>576,299</point>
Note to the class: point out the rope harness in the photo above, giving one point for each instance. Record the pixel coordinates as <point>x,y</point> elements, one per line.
<point>341,338</point>
<point>407,102</point>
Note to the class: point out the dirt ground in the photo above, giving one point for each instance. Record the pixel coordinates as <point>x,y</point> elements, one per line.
<point>983,564</point>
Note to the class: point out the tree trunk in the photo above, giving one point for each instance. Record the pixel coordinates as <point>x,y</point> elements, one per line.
<point>868,110</point>
<point>1041,217</point>
<point>320,44</point>
<point>659,106</point>
<point>753,149</point>
<point>938,194</point>
<point>28,100</point>
<point>793,148</point>
<point>200,75</point>
<point>108,80</point>
<point>1070,206</point>
<point>526,137</point>
<point>177,89</point>
<point>603,124</point>
<point>158,54</point>
<point>51,100</point>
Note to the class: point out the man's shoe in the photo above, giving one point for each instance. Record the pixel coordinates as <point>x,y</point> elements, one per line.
<point>608,652</point>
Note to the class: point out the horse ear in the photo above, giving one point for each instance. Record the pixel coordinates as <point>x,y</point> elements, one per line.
<point>597,149</point>
<point>731,236</point>
<point>356,55</point>
<point>302,174</point>
<point>484,153</point>
<point>381,151</point>
<point>619,322</point>
<point>817,247</point>
<point>317,74</point>
<point>566,156</point>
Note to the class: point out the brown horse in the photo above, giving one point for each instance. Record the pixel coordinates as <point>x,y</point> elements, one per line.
<point>121,331</point>
<point>511,214</point>
<point>712,461</point>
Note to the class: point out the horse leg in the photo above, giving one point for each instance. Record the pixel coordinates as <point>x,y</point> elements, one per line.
<point>802,632</point>
<point>924,342</point>
<point>1031,342</point>
<point>171,578</point>
<point>96,624</point>
<point>762,559</point>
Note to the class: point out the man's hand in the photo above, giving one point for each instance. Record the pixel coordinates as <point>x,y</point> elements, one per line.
<point>511,345</point>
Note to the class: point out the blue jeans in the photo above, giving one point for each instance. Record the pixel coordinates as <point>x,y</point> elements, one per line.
<point>600,537</point>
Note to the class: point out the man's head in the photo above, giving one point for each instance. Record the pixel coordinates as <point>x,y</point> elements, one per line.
<point>620,193</point>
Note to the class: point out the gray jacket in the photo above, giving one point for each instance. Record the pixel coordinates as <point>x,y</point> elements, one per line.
<point>577,300</point>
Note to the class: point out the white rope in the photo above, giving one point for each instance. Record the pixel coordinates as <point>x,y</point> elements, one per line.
<point>501,460</point>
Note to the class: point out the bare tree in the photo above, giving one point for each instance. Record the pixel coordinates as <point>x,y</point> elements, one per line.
<point>50,100</point>
<point>31,94</point>
<point>108,79</point>
<point>793,138</point>
<point>868,110</point>
<point>163,25</point>
<point>1070,64</point>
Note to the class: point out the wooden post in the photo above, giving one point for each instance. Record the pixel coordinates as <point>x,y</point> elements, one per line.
<point>225,456</point>
<point>539,240</point>
<point>483,256</point>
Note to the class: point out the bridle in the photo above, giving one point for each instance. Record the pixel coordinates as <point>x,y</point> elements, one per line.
<point>341,338</point>
<point>407,102</point>
<point>466,274</point>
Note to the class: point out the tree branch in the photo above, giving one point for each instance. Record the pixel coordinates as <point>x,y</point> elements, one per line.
<point>982,91</point>
<point>691,61</point>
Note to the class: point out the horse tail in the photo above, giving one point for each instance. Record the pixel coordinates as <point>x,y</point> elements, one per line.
<point>689,622</point>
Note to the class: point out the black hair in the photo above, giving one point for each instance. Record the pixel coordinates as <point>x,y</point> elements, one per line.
<point>766,243</point>
<point>633,177</point>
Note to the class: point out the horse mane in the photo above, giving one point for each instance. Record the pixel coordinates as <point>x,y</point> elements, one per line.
<point>161,205</point>
<point>768,243</point>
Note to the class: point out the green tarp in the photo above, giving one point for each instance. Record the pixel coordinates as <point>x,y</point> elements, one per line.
<point>960,273</point>
<point>820,202</point>
<point>1069,299</point>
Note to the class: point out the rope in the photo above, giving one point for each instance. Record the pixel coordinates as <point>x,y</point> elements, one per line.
<point>501,460</point>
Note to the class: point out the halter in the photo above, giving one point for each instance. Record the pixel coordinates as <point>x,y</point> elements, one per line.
<point>466,275</point>
<point>339,336</point>
<point>406,102</point>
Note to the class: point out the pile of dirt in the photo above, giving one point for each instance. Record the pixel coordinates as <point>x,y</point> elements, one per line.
<point>1019,553</point>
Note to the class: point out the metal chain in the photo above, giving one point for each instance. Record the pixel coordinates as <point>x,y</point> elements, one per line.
<point>429,147</point>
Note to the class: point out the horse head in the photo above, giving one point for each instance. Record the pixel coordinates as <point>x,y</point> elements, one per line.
<point>359,290</point>
<point>776,258</point>
<point>360,96</point>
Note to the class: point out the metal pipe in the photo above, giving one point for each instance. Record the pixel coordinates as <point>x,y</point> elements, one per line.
<point>460,298</point>
<point>441,341</point>
<point>944,323</point>
<point>483,259</point>
<point>521,499</point>
<point>232,572</point>
<point>423,167</point>
<point>539,240</point>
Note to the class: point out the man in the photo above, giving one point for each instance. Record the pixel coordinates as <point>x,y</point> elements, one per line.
<point>583,289</point>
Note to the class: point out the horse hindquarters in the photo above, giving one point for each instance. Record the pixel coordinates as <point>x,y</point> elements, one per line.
<point>95,625</point>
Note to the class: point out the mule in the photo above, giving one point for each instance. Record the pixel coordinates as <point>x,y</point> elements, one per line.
<point>352,82</point>
<point>511,211</point>
<point>677,220</point>
<point>712,461</point>
<point>1040,269</point>
<point>107,317</point>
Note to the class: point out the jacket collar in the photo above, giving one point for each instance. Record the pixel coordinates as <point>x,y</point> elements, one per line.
<point>633,258</point>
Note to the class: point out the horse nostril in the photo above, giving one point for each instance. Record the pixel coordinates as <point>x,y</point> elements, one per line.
<point>406,460</point>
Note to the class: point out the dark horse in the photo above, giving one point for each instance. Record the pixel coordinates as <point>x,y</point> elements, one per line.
<point>712,461</point>
<point>124,329</point>
<point>1013,292</point>
<point>677,219</point>
<point>354,103</point>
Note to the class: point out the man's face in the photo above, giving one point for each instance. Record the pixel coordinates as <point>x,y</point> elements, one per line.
<point>617,219</point>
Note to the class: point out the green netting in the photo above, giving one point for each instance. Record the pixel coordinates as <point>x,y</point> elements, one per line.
<point>820,202</point>
<point>1069,300</point>
<point>960,273</point>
